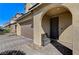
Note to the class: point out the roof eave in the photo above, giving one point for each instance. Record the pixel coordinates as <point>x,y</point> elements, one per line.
<point>31,9</point>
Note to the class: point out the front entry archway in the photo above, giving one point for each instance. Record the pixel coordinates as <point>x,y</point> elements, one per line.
<point>57,24</point>
<point>57,27</point>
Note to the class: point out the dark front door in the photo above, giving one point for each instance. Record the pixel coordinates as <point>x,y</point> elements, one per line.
<point>54,33</point>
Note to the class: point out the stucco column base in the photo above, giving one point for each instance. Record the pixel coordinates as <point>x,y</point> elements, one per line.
<point>37,46</point>
<point>34,46</point>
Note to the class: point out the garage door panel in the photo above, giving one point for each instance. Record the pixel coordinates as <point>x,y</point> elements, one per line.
<point>27,30</point>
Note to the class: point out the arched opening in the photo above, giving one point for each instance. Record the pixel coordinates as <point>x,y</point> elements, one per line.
<point>57,27</point>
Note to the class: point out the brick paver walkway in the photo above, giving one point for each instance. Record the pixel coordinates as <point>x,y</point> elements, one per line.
<point>13,42</point>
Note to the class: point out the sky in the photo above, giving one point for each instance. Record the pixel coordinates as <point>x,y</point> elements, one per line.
<point>9,10</point>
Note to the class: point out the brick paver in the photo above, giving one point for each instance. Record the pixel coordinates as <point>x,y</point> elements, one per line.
<point>13,42</point>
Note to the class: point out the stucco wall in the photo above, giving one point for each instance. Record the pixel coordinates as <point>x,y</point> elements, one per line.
<point>65,27</point>
<point>74,8</point>
<point>45,25</point>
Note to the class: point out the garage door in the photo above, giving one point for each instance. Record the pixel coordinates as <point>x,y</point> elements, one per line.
<point>27,29</point>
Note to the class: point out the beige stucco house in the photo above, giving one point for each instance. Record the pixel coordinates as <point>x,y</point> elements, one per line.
<point>12,23</point>
<point>48,22</point>
<point>7,25</point>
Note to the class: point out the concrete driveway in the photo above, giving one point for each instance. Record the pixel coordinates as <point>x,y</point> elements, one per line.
<point>13,42</point>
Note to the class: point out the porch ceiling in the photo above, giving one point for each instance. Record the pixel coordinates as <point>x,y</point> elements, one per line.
<point>56,10</point>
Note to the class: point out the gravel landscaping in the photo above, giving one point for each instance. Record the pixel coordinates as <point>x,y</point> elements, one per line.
<point>12,52</point>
